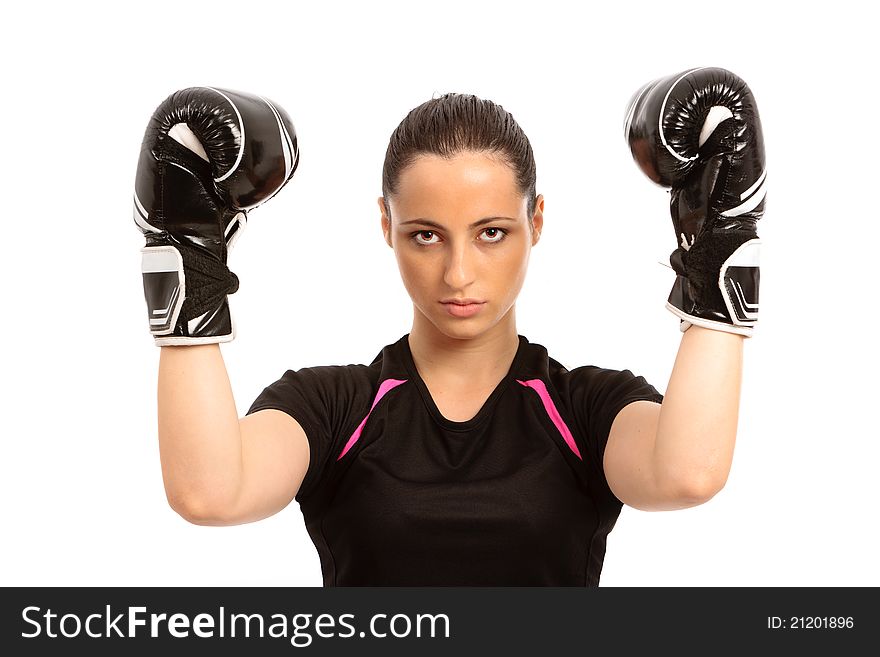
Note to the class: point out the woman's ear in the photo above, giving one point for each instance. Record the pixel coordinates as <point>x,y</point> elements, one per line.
<point>538,219</point>
<point>386,222</point>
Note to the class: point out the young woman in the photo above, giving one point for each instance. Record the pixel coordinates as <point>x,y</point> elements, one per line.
<point>463,454</point>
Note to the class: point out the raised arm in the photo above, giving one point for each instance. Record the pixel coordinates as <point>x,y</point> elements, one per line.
<point>698,133</point>
<point>219,469</point>
<point>678,454</point>
<point>208,157</point>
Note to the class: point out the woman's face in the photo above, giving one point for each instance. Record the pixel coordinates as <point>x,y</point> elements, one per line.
<point>460,231</point>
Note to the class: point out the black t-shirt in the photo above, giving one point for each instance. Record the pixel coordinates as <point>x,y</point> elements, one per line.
<point>398,495</point>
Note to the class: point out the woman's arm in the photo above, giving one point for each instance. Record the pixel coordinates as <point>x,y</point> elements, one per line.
<point>199,437</point>
<point>678,454</point>
<point>217,469</point>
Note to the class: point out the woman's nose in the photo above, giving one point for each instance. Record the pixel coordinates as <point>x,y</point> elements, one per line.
<point>460,266</point>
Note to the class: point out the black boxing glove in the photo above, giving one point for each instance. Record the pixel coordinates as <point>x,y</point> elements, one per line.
<point>208,157</point>
<point>698,132</point>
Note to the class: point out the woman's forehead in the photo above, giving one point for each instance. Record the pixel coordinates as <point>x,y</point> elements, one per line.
<point>472,183</point>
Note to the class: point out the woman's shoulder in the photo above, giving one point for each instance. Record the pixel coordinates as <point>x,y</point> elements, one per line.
<point>587,375</point>
<point>537,362</point>
<point>385,364</point>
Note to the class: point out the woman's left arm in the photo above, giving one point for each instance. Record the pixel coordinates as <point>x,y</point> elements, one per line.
<point>697,133</point>
<point>696,430</point>
<point>678,454</point>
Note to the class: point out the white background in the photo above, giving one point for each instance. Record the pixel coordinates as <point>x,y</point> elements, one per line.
<point>81,489</point>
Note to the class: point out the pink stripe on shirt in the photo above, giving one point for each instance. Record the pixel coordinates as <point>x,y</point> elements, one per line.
<point>386,385</point>
<point>538,386</point>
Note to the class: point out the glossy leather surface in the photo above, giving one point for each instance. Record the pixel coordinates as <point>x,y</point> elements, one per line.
<point>718,188</point>
<point>197,208</point>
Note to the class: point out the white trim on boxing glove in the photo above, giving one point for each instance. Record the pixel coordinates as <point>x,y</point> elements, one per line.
<point>233,231</point>
<point>748,255</point>
<point>708,323</point>
<point>159,260</point>
<point>743,312</point>
<point>241,133</point>
<point>180,340</point>
<point>759,189</point>
<point>286,145</point>
<point>184,341</point>
<point>140,216</point>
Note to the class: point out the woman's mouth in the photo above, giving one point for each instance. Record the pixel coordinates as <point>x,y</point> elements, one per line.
<point>463,307</point>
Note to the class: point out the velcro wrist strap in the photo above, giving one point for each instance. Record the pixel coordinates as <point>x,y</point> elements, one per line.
<point>181,283</point>
<point>726,301</point>
<point>703,261</point>
<point>208,281</point>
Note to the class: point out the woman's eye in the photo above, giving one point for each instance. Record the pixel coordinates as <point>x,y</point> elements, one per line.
<point>415,236</point>
<point>497,235</point>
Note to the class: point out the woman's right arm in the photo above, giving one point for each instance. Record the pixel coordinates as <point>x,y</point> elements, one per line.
<point>196,181</point>
<point>219,469</point>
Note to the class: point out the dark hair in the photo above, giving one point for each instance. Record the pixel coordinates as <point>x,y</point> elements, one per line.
<point>454,123</point>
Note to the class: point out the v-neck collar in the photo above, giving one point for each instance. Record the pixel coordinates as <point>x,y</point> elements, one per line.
<point>485,409</point>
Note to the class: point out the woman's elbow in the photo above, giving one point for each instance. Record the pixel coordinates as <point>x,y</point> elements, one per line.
<point>698,490</point>
<point>196,512</point>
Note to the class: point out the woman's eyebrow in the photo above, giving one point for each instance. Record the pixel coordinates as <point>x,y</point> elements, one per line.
<point>434,224</point>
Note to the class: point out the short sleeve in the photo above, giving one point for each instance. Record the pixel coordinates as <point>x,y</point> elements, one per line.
<point>328,402</point>
<point>597,396</point>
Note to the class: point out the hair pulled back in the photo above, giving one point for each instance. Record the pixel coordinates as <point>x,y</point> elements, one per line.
<point>454,123</point>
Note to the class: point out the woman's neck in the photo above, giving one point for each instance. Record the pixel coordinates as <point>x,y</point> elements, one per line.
<point>473,361</point>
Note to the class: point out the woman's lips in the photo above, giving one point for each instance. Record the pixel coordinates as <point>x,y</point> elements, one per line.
<point>462,309</point>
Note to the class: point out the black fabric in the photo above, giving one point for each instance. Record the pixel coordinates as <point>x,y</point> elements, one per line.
<point>701,265</point>
<point>208,281</point>
<point>420,500</point>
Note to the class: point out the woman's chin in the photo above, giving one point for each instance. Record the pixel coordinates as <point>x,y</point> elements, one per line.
<point>461,328</point>
<point>456,327</point>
